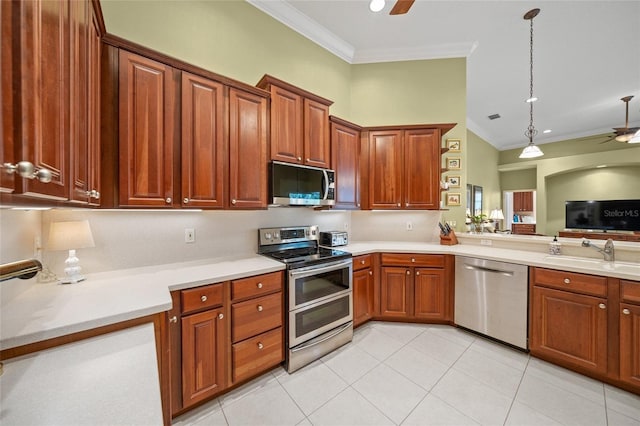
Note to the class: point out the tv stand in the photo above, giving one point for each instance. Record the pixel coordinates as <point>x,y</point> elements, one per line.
<point>600,235</point>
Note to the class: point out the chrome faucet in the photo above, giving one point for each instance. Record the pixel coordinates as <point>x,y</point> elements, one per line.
<point>607,251</point>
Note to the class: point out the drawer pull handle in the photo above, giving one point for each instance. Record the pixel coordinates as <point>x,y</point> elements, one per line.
<point>203,298</point>
<point>602,306</point>
<point>259,285</point>
<point>413,260</point>
<point>362,262</point>
<point>220,316</point>
<point>567,281</point>
<point>168,200</point>
<point>260,308</point>
<point>626,311</point>
<point>173,319</point>
<point>260,345</point>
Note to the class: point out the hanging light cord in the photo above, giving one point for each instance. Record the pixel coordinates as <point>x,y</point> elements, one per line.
<point>531,130</point>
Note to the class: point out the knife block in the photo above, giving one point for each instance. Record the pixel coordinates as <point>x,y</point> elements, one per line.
<point>449,240</point>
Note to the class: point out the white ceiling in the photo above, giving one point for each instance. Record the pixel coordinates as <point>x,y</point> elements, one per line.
<point>586,56</point>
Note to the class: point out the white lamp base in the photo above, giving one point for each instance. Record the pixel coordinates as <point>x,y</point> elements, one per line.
<point>72,270</point>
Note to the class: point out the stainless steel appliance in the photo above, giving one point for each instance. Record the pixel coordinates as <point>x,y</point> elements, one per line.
<point>334,238</point>
<point>295,185</point>
<point>491,298</point>
<point>319,292</point>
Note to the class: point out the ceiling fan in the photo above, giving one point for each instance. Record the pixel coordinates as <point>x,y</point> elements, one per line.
<point>626,133</point>
<point>399,8</point>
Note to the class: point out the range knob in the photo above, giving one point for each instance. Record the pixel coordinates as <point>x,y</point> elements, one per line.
<point>267,235</point>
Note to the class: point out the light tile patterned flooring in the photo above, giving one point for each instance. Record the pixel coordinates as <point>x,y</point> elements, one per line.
<point>410,374</point>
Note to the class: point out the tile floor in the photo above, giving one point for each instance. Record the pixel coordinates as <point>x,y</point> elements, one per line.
<point>409,374</point>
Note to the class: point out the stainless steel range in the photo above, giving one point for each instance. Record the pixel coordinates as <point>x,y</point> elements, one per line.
<point>319,292</point>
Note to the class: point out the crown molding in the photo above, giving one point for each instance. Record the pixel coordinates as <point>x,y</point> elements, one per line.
<point>443,51</point>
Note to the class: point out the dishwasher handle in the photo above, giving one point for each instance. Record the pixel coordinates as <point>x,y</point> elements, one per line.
<point>492,270</point>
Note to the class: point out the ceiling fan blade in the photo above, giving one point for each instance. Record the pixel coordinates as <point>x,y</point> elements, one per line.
<point>401,7</point>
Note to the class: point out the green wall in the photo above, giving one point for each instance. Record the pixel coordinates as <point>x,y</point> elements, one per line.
<point>482,165</point>
<point>518,179</point>
<point>611,183</point>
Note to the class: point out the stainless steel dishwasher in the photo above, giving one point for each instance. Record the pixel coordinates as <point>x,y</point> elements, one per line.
<point>491,299</point>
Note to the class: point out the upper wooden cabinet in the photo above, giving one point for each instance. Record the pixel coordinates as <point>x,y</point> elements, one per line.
<point>299,124</point>
<point>149,126</point>
<point>50,98</point>
<point>403,167</point>
<point>523,201</point>
<point>345,160</point>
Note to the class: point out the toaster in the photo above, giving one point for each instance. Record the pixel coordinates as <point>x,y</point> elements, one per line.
<point>334,238</point>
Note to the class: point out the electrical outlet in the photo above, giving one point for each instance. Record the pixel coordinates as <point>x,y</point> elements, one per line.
<point>189,235</point>
<point>486,242</point>
<point>346,226</point>
<point>452,223</point>
<point>409,226</point>
<point>37,246</point>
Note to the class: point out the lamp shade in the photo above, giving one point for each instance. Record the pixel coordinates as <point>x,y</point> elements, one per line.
<point>70,235</point>
<point>496,214</point>
<point>531,151</point>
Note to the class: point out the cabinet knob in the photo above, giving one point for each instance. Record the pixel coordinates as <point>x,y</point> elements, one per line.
<point>260,308</point>
<point>203,298</point>
<point>259,285</point>
<point>358,205</point>
<point>362,262</point>
<point>185,200</point>
<point>260,345</point>
<point>370,272</point>
<point>413,260</point>
<point>26,169</point>
<point>408,272</point>
<point>92,194</point>
<point>417,273</point>
<point>626,311</point>
<point>173,319</point>
<point>220,316</point>
<point>234,201</point>
<point>602,306</point>
<point>398,204</point>
<point>300,159</point>
<point>567,281</point>
<point>168,200</point>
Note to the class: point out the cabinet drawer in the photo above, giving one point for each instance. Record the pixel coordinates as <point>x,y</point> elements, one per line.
<point>361,262</point>
<point>404,259</point>
<point>630,291</point>
<point>254,355</point>
<point>256,316</point>
<point>571,281</point>
<point>523,228</point>
<point>199,298</point>
<point>256,286</point>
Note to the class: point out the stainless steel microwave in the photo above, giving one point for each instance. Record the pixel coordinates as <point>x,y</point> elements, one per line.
<point>295,185</point>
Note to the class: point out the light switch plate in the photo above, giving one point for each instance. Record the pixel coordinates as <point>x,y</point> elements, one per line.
<point>189,235</point>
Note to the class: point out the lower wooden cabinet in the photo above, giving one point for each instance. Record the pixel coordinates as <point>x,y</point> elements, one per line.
<point>416,287</point>
<point>363,289</point>
<point>203,355</point>
<point>630,332</point>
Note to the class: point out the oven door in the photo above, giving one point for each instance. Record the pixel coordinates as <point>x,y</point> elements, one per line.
<point>313,284</point>
<point>313,320</point>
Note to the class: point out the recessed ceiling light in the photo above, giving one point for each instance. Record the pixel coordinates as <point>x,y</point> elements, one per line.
<point>376,5</point>
<point>532,99</point>
<point>546,131</point>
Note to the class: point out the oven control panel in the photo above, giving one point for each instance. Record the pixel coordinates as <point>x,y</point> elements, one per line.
<point>268,236</point>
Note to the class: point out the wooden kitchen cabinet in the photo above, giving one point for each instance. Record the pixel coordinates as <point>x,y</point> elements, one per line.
<point>345,160</point>
<point>568,323</point>
<point>203,142</point>
<point>299,124</point>
<point>404,167</point>
<point>248,150</point>
<point>523,201</point>
<point>363,289</point>
<point>149,131</point>
<point>257,327</point>
<point>50,95</point>
<point>630,333</point>
<point>523,228</point>
<point>416,286</point>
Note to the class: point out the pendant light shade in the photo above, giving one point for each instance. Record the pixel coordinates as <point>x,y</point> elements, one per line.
<point>531,151</point>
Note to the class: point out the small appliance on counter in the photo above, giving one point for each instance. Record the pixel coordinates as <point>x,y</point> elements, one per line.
<point>334,238</point>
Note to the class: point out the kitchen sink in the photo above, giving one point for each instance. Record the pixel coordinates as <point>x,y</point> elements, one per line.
<point>630,268</point>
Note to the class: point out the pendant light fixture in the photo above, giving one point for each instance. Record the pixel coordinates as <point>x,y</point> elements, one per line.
<point>531,151</point>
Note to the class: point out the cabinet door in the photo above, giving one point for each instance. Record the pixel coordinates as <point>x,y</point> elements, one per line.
<point>248,159</point>
<point>204,145</point>
<point>395,291</point>
<point>286,126</point>
<point>569,328</point>
<point>10,101</point>
<point>630,344</point>
<point>422,169</point>
<point>94,183</point>
<point>147,97</point>
<point>44,115</point>
<point>362,296</point>
<point>431,294</point>
<point>203,355</point>
<point>385,169</point>
<point>345,160</point>
<point>316,134</point>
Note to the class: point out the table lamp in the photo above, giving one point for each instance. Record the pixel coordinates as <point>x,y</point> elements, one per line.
<point>496,215</point>
<point>70,236</point>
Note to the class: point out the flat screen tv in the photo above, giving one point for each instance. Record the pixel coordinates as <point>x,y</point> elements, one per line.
<point>614,215</point>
